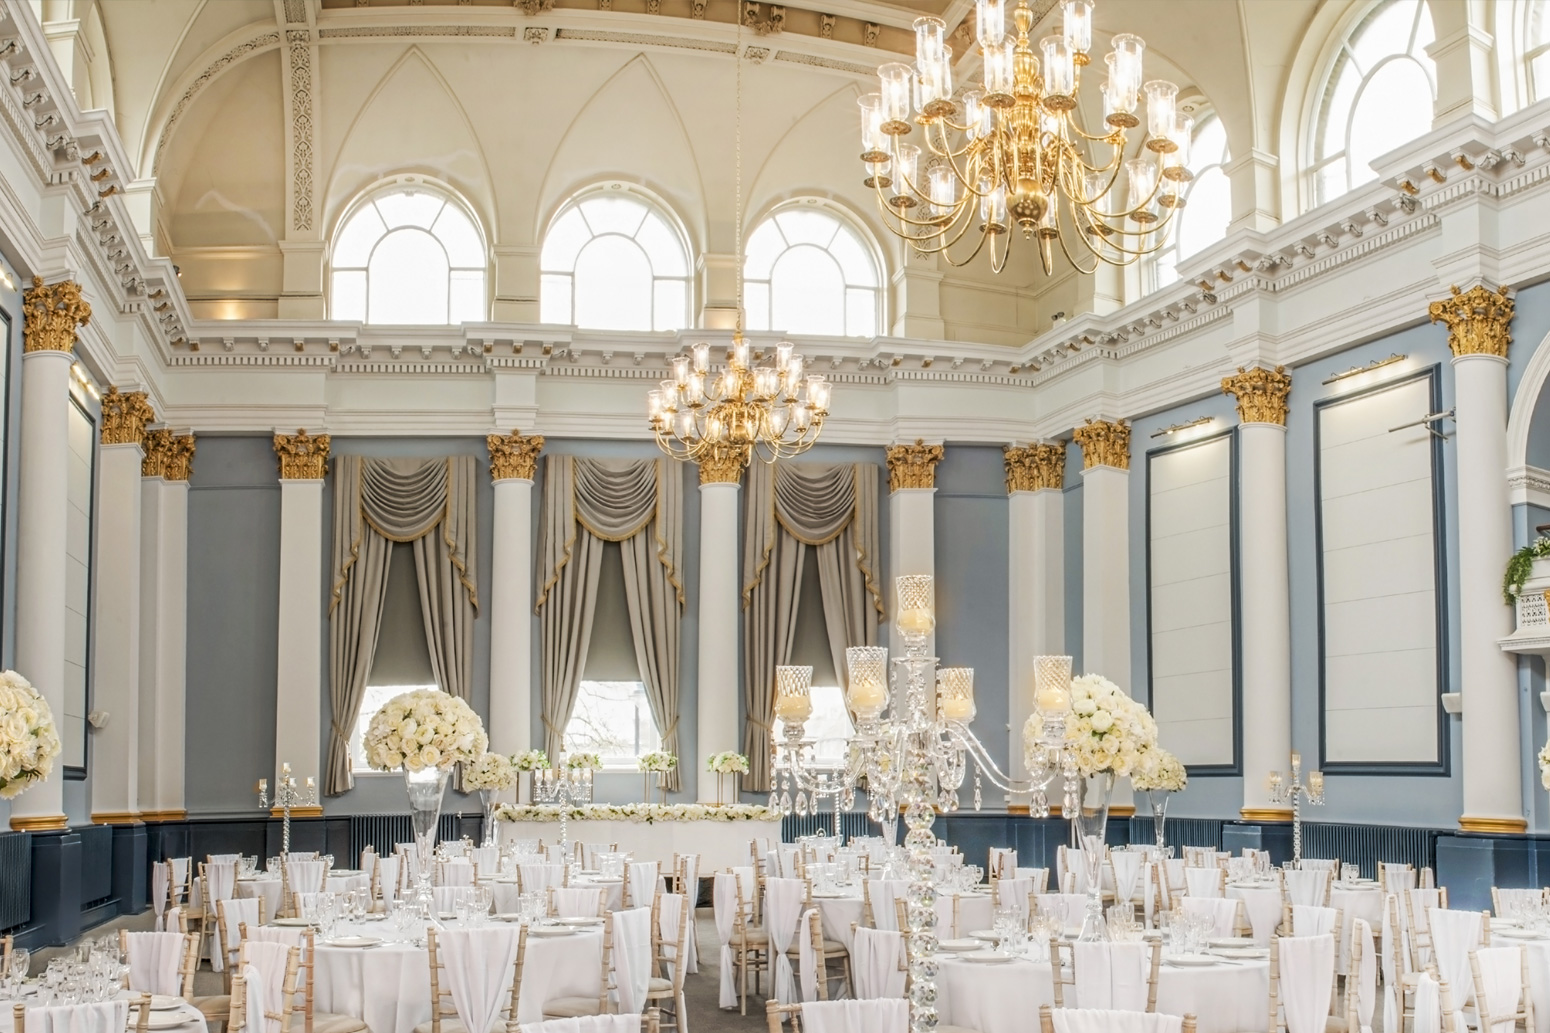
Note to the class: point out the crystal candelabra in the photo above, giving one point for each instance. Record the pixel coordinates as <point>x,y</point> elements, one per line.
<point>287,795</point>
<point>562,786</point>
<point>1294,792</point>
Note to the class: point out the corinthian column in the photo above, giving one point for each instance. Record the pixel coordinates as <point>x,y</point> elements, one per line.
<point>299,689</point>
<point>513,460</point>
<point>115,785</point>
<point>721,473</point>
<point>911,520</point>
<point>1479,334</point>
<point>1036,616</point>
<point>164,474</point>
<point>1265,601</point>
<point>52,314</point>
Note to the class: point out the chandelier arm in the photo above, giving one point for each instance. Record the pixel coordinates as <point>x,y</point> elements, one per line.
<point>966,741</point>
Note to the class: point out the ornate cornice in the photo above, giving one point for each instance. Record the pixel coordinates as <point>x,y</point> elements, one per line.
<point>124,417</point>
<point>53,313</point>
<point>724,464</point>
<point>167,455</point>
<point>1479,321</point>
<point>1261,394</point>
<point>1104,444</point>
<point>512,456</point>
<point>913,466</point>
<point>1035,467</point>
<point>303,456</point>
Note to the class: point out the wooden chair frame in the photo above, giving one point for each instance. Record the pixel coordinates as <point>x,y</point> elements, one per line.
<point>1525,1011</point>
<point>188,964</point>
<point>606,985</point>
<point>440,1010</point>
<point>674,993</point>
<point>1047,1021</point>
<point>140,1008</point>
<point>1062,955</point>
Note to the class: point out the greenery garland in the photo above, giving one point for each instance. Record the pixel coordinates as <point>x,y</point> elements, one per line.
<point>1521,566</point>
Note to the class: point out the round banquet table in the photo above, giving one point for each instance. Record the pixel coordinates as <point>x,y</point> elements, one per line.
<point>268,887</point>
<point>389,987</point>
<point>505,890</point>
<point>838,913</point>
<point>193,1018</point>
<point>1229,997</point>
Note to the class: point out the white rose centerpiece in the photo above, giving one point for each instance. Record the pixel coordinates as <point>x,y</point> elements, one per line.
<point>727,763</point>
<point>29,741</point>
<point>424,729</point>
<point>1106,729</point>
<point>1159,770</point>
<point>584,762</point>
<point>491,771</point>
<point>530,760</point>
<point>1544,767</point>
<point>658,761</point>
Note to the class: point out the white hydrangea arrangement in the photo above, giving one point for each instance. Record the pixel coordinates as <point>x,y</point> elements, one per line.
<point>28,740</point>
<point>1544,767</point>
<point>1107,730</point>
<point>657,760</point>
<point>424,729</point>
<point>491,771</point>
<point>727,763</point>
<point>584,761</point>
<point>530,760</point>
<point>1159,770</point>
<point>647,813</point>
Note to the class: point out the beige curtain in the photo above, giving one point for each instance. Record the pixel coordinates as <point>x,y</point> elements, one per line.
<point>639,504</point>
<point>377,502</point>
<point>794,508</point>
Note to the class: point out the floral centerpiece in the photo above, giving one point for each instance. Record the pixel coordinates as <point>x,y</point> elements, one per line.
<point>28,740</point>
<point>584,762</point>
<point>728,762</point>
<point>659,763</point>
<point>646,813</point>
<point>1159,775</point>
<point>1544,767</point>
<point>1521,567</point>
<point>530,760</point>
<point>492,773</point>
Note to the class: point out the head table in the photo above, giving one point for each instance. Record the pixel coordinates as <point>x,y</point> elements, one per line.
<point>652,832</point>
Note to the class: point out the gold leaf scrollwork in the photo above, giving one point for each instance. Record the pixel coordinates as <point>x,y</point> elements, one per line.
<point>1104,443</point>
<point>1261,394</point>
<point>303,456</point>
<point>1479,321</point>
<point>124,417</point>
<point>1035,467</point>
<point>167,455</point>
<point>53,312</point>
<point>913,466</point>
<point>512,456</point>
<point>723,464</point>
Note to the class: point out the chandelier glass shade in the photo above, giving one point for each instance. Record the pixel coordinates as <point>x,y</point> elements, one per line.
<point>1013,150</point>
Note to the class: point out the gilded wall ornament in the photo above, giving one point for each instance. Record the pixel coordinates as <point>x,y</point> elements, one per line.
<point>167,455</point>
<point>124,417</point>
<point>1261,394</point>
<point>723,464</point>
<point>1035,467</point>
<point>512,456</point>
<point>1479,321</point>
<point>303,456</point>
<point>913,466</point>
<point>1104,444</point>
<point>53,312</point>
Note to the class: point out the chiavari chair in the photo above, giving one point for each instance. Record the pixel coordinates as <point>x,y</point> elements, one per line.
<point>442,1008</point>
<point>1063,970</point>
<point>669,989</point>
<point>139,1012</point>
<point>1161,1022</point>
<point>188,960</point>
<point>577,1007</point>
<point>1520,1013</point>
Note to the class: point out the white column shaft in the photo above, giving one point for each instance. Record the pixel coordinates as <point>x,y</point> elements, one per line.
<point>720,619</point>
<point>912,548</point>
<point>41,555</point>
<point>115,784</point>
<point>1264,609</point>
<point>1036,615</point>
<point>1106,574</point>
<point>511,618</point>
<point>1492,778</point>
<point>298,697</point>
<point>163,642</point>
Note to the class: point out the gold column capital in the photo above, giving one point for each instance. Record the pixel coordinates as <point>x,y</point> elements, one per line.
<point>913,466</point>
<point>303,456</point>
<point>1035,467</point>
<point>124,417</point>
<point>1479,321</point>
<point>167,455</point>
<point>53,311</point>
<point>723,464</point>
<point>1104,443</point>
<point>1261,394</point>
<point>512,456</point>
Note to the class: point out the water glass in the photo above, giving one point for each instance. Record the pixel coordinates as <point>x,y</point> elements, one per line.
<point>1350,872</point>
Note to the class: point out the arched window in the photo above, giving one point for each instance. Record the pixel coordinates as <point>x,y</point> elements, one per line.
<point>1207,204</point>
<point>809,271</point>
<point>1536,50</point>
<point>408,253</point>
<point>612,260</point>
<point>1378,96</point>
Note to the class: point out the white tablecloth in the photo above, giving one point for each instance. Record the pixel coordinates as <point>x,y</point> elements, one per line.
<point>193,1018</point>
<point>268,887</point>
<point>720,844</point>
<point>1225,998</point>
<point>1263,904</point>
<point>504,891</point>
<point>389,987</point>
<point>974,912</point>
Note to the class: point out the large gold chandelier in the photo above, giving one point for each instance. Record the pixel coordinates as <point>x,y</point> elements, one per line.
<point>1014,151</point>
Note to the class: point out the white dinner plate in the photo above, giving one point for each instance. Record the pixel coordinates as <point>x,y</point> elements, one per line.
<point>1519,934</point>
<point>960,946</point>
<point>1191,960</point>
<point>984,934</point>
<point>832,895</point>
<point>295,923</point>
<point>1232,941</point>
<point>511,916</point>
<point>973,893</point>
<point>598,880</point>
<point>988,957</point>
<point>159,1002</point>
<point>162,1020</point>
<point>352,941</point>
<point>580,922</point>
<point>1242,952</point>
<point>549,930</point>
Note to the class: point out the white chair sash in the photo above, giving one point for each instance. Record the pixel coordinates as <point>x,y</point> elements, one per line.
<point>1222,911</point>
<point>479,964</point>
<point>725,897</point>
<point>1264,911</point>
<point>807,961</point>
<point>97,1017</point>
<point>1366,977</point>
<point>1069,908</point>
<point>1454,935</point>
<point>578,901</point>
<point>536,878</point>
<point>222,877</point>
<point>586,1024</point>
<point>1307,979</point>
<point>1428,1004</point>
<point>876,1016</point>
<point>643,881</point>
<point>1086,1020</point>
<point>883,893</point>
<point>876,963</point>
<point>269,959</point>
<point>1112,975</point>
<point>1306,887</point>
<point>154,959</point>
<point>447,897</point>
<point>1501,980</point>
<point>456,872</point>
<point>632,957</point>
<point>237,912</point>
<point>488,858</point>
<point>305,876</point>
<point>387,878</point>
<point>1203,882</point>
<point>159,893</point>
<point>1127,866</point>
<point>1014,893</point>
<point>782,910</point>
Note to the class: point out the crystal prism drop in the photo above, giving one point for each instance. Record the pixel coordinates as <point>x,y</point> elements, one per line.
<point>801,803</point>
<point>785,803</point>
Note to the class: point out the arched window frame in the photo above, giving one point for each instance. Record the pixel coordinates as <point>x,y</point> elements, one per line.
<point>756,288</point>
<point>1533,39</point>
<point>458,272</point>
<point>551,274</point>
<point>1161,268</point>
<point>1319,159</point>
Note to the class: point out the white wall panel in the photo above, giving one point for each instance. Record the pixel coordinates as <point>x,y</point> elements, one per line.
<point>1190,600</point>
<point>1378,577</point>
<point>78,537</point>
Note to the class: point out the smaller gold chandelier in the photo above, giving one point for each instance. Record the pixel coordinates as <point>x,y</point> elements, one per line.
<point>740,409</point>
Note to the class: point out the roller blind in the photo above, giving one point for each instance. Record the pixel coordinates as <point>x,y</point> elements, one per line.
<point>611,654</point>
<point>403,657</point>
<point>811,642</point>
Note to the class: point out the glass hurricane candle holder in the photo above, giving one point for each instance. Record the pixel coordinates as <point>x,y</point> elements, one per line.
<point>866,675</point>
<point>793,700</point>
<point>1052,684</point>
<point>955,694</point>
<point>916,614</point>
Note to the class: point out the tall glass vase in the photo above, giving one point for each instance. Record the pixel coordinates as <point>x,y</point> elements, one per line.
<point>1159,798</point>
<point>487,797</point>
<point>426,788</point>
<point>1090,822</point>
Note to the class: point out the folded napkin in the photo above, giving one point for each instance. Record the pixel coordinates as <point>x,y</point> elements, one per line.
<point>99,1017</point>
<point>875,962</point>
<point>632,957</point>
<point>479,964</point>
<point>1088,1020</point>
<point>154,959</point>
<point>1307,979</point>
<point>586,1024</point>
<point>1112,975</point>
<point>879,1016</point>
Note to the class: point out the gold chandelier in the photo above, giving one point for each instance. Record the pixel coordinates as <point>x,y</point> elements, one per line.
<point>1014,150</point>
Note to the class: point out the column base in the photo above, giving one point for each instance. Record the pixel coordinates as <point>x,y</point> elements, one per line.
<point>175,815</point>
<point>297,812</point>
<point>1265,813</point>
<point>1504,826</point>
<point>39,822</point>
<point>1122,810</point>
<point>115,818</point>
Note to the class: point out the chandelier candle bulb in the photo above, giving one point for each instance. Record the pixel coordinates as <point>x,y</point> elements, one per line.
<point>930,41</point>
<point>990,22</point>
<point>793,702</point>
<point>1142,177</point>
<point>1077,23</point>
<point>955,693</point>
<point>1125,67</point>
<point>1059,73</point>
<point>998,75</point>
<point>1161,97</point>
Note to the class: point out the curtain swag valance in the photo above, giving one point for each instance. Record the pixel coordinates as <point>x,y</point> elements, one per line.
<point>815,504</point>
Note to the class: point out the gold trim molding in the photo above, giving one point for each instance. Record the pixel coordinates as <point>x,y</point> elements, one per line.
<point>724,464</point>
<point>175,815</point>
<point>115,818</point>
<point>1265,813</point>
<point>913,466</point>
<point>297,812</point>
<point>1122,810</point>
<point>1479,321</point>
<point>38,823</point>
<point>1501,826</point>
<point>1035,467</point>
<point>124,417</point>
<point>1261,394</point>
<point>512,456</point>
<point>303,456</point>
<point>1104,443</point>
<point>167,455</point>
<point>53,312</point>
